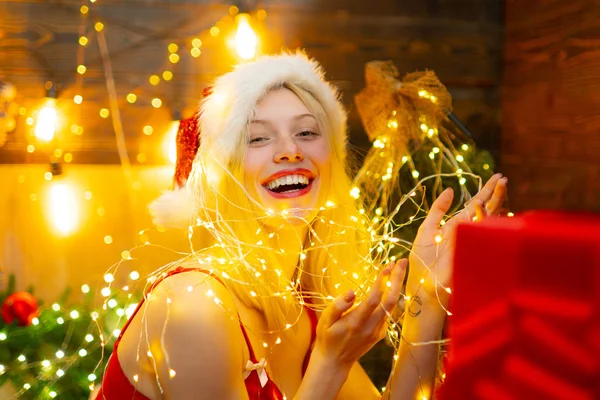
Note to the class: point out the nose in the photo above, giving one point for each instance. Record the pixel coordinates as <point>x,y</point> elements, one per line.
<point>288,151</point>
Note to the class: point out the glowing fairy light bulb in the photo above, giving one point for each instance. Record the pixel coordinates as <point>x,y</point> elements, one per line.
<point>108,278</point>
<point>134,275</point>
<point>47,121</point>
<point>89,338</point>
<point>246,40</point>
<point>91,377</point>
<point>82,353</point>
<point>21,358</point>
<point>170,142</point>
<point>56,307</point>
<point>63,208</point>
<point>84,289</point>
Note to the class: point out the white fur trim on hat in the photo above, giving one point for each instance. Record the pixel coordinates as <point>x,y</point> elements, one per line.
<point>227,111</point>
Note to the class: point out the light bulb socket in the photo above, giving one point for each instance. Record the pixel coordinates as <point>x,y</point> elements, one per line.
<point>51,90</point>
<point>56,168</point>
<point>176,115</point>
<point>245,6</point>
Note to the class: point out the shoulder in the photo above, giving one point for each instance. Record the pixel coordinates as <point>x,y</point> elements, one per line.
<point>195,304</point>
<point>191,328</point>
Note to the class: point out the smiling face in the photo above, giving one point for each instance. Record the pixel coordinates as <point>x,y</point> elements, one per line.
<point>288,157</point>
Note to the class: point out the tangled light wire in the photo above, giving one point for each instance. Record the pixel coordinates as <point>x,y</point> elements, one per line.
<point>397,125</point>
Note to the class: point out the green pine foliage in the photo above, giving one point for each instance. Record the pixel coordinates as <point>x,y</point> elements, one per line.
<point>63,355</point>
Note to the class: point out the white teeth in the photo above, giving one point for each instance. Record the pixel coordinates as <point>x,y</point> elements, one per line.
<point>287,180</point>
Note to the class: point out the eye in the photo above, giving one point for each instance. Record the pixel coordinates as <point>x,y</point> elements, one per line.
<point>308,134</point>
<point>257,139</point>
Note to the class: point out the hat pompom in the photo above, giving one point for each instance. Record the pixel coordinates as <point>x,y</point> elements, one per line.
<point>173,209</point>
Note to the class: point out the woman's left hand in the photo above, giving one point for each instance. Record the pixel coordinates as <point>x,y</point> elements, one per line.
<point>433,250</point>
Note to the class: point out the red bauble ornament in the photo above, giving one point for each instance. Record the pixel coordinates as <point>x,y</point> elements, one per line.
<point>20,306</point>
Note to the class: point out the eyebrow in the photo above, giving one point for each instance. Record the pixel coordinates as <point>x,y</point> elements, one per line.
<point>296,118</point>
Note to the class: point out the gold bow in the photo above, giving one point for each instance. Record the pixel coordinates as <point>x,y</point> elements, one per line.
<point>397,116</point>
<point>389,104</point>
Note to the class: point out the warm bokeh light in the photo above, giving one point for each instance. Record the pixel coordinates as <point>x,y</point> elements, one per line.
<point>156,102</point>
<point>154,80</point>
<point>131,98</point>
<point>246,40</point>
<point>47,121</point>
<point>167,75</point>
<point>63,208</point>
<point>170,144</point>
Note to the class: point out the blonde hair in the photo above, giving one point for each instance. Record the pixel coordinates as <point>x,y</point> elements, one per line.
<point>335,255</point>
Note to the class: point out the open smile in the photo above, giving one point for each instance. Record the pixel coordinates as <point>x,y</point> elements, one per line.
<point>289,184</point>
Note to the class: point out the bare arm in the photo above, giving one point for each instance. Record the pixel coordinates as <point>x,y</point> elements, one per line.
<point>195,340</point>
<point>414,371</point>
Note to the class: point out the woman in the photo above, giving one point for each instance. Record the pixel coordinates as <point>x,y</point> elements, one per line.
<point>288,247</point>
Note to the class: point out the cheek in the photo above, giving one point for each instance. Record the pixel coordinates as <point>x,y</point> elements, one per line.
<point>253,164</point>
<point>321,156</point>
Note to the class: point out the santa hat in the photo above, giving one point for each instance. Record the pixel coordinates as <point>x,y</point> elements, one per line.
<point>226,112</point>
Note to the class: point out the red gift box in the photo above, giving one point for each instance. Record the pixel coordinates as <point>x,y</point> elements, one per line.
<point>525,308</point>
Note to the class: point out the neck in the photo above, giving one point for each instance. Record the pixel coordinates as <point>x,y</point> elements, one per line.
<point>289,238</point>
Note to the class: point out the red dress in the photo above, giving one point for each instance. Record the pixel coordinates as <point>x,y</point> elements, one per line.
<point>116,386</point>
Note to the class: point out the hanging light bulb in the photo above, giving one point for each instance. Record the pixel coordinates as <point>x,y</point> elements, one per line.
<point>246,41</point>
<point>63,208</point>
<point>170,140</point>
<point>47,117</point>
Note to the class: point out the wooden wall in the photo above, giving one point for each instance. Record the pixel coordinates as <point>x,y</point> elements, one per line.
<point>551,104</point>
<point>459,39</point>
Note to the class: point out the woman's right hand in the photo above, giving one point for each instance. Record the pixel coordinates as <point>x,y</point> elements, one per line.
<point>344,334</point>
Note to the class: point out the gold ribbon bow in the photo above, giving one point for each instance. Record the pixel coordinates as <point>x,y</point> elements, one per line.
<point>387,103</point>
<point>260,368</point>
<point>397,116</point>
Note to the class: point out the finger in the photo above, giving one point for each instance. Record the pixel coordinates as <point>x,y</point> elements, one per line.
<point>336,309</point>
<point>438,210</point>
<point>485,194</point>
<point>498,198</point>
<point>480,212</point>
<point>373,300</point>
<point>390,300</point>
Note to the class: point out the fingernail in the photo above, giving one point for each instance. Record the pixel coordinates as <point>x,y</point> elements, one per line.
<point>403,264</point>
<point>349,296</point>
